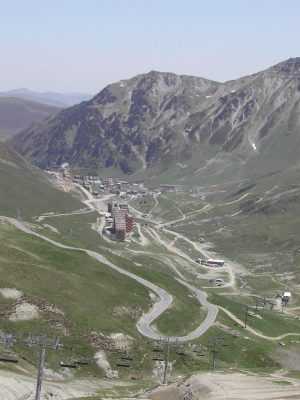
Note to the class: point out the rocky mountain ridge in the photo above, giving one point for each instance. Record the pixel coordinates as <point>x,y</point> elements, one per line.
<point>157,120</point>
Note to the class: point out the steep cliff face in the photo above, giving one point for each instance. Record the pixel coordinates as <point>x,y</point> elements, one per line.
<point>162,118</point>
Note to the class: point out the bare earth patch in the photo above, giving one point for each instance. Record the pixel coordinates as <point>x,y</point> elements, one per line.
<point>122,341</point>
<point>221,386</point>
<point>25,312</point>
<point>22,387</point>
<point>102,362</point>
<point>10,293</point>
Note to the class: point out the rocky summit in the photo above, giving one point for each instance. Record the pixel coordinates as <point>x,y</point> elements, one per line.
<point>160,120</point>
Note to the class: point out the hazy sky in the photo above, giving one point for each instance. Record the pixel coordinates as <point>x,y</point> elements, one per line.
<point>81,45</point>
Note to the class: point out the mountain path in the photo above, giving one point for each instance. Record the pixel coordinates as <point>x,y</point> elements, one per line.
<point>253,331</point>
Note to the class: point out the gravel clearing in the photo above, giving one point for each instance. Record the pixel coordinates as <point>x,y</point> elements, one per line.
<point>21,387</point>
<point>122,341</point>
<point>10,293</point>
<point>221,386</point>
<point>25,312</point>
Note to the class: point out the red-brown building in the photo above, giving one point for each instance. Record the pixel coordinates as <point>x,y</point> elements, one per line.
<point>123,223</point>
<point>129,223</point>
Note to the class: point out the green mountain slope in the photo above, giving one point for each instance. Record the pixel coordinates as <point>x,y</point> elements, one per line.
<point>27,191</point>
<point>73,302</point>
<point>18,114</point>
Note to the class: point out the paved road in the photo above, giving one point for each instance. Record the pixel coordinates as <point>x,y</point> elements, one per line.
<point>164,301</point>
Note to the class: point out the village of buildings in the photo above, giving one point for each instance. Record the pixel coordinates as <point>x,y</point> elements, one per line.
<point>119,223</point>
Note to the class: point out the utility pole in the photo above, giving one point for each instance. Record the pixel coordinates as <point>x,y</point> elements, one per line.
<point>214,353</point>
<point>246,316</point>
<point>166,361</point>
<point>40,373</point>
<point>214,349</point>
<point>260,304</point>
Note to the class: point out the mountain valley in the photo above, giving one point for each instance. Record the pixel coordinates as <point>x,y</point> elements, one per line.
<point>209,173</point>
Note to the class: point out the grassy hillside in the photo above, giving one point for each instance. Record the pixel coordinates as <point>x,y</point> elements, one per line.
<point>27,189</point>
<point>73,301</point>
<point>84,301</point>
<point>80,299</point>
<point>17,114</point>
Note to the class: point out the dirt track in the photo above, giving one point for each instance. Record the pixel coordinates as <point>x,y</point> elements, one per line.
<point>222,386</point>
<point>22,387</point>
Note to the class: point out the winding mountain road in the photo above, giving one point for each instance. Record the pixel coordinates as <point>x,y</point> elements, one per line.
<point>165,299</point>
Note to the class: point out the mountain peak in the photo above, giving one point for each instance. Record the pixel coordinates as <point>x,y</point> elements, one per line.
<point>156,72</point>
<point>157,75</point>
<point>157,118</point>
<point>290,66</point>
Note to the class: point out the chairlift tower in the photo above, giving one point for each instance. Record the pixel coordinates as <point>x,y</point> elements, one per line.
<point>43,342</point>
<point>214,349</point>
<point>166,361</point>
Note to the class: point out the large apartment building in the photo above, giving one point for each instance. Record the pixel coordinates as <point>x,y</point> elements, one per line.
<point>123,223</point>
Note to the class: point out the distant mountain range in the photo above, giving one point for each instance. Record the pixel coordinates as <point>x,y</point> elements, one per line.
<point>178,126</point>
<point>17,114</point>
<point>61,100</point>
